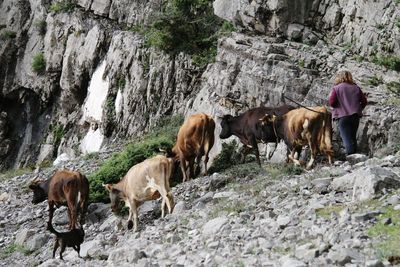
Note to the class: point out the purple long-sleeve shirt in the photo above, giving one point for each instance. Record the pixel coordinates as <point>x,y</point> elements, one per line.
<point>347,99</point>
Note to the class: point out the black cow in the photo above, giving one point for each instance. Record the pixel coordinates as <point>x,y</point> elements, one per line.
<point>248,128</point>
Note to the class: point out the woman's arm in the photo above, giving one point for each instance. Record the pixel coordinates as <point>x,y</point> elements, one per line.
<point>333,99</point>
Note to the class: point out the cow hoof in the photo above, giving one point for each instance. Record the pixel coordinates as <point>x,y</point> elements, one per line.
<point>130,225</point>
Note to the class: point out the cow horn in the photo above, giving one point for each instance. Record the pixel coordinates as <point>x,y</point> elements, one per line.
<point>162,150</point>
<point>35,179</point>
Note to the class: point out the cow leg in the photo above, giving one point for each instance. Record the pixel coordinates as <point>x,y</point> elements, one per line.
<point>84,206</point>
<point>51,211</point>
<point>246,151</point>
<point>205,164</point>
<point>292,157</point>
<point>170,202</point>
<point>73,214</point>
<point>313,149</point>
<point>191,168</point>
<point>166,199</point>
<point>183,168</point>
<point>133,213</point>
<point>256,152</point>
<point>198,162</point>
<point>330,159</point>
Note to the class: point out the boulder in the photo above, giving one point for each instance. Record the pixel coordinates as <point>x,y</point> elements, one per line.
<point>214,226</point>
<point>356,158</point>
<point>370,182</point>
<point>37,242</point>
<point>23,235</point>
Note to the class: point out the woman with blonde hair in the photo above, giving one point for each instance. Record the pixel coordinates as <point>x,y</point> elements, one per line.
<point>347,101</point>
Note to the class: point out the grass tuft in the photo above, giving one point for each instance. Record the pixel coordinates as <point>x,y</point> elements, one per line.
<point>389,234</point>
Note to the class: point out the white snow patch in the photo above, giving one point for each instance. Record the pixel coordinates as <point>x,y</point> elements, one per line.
<point>118,102</point>
<point>97,94</point>
<point>92,141</point>
<point>93,110</point>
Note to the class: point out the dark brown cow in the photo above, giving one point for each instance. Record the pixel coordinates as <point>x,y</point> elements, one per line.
<point>195,140</point>
<point>67,188</point>
<point>303,126</point>
<point>247,127</point>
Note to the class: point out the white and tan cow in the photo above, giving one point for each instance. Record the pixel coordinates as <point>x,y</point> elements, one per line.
<point>301,127</point>
<point>147,180</point>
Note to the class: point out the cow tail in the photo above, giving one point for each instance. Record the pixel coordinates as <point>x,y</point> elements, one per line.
<point>206,135</point>
<point>204,142</point>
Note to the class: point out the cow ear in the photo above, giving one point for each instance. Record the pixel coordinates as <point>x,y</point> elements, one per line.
<point>109,187</point>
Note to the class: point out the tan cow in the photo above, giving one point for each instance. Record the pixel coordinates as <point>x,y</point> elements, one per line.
<point>195,140</point>
<point>304,126</point>
<point>147,180</point>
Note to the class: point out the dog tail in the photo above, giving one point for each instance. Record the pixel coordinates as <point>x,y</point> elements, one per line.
<point>51,229</point>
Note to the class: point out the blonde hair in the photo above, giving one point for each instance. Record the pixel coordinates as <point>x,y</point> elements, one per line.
<point>344,76</point>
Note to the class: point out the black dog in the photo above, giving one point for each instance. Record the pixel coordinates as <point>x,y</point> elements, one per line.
<point>73,238</point>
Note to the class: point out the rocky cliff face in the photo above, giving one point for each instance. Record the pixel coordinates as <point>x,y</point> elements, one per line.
<point>279,48</point>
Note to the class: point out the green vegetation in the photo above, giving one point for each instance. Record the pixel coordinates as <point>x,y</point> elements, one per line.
<point>121,82</point>
<point>229,156</point>
<point>8,35</point>
<point>188,26</point>
<point>301,63</point>
<point>226,206</point>
<point>93,155</point>
<point>389,233</point>
<point>62,6</point>
<point>277,171</point>
<point>58,133</point>
<point>39,63</point>
<point>359,58</point>
<point>41,26</point>
<point>390,62</point>
<point>375,80</point>
<point>117,166</point>
<point>110,106</point>
<point>394,87</point>
<point>327,211</point>
<point>13,173</point>
<point>10,249</point>
<point>250,169</point>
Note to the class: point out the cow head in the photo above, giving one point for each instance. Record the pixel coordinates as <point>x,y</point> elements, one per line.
<point>39,191</point>
<point>268,119</point>
<point>116,197</point>
<point>225,125</point>
<point>267,127</point>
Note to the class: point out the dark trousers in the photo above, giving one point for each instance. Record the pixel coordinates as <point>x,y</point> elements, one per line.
<point>348,131</point>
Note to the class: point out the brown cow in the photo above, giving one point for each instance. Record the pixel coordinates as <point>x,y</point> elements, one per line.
<point>303,126</point>
<point>66,188</point>
<point>247,127</point>
<point>147,180</point>
<point>195,140</point>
